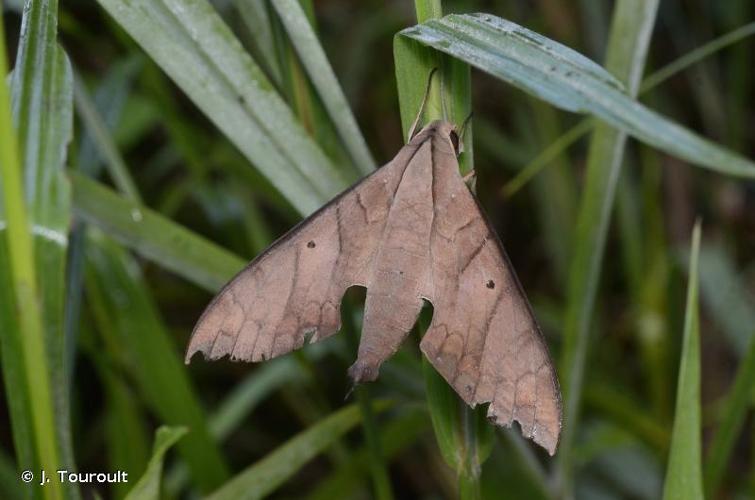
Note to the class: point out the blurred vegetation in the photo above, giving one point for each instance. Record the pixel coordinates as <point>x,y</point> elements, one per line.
<point>149,148</point>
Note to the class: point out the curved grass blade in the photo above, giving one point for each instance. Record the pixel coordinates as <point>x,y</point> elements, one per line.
<point>265,476</point>
<point>584,126</point>
<point>314,60</point>
<point>684,471</point>
<point>154,236</point>
<point>199,52</point>
<point>35,216</point>
<point>148,487</point>
<point>569,81</point>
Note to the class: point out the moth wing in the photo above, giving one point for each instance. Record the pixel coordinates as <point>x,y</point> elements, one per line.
<point>483,338</point>
<point>293,290</point>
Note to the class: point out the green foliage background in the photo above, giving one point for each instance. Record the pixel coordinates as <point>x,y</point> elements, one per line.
<point>149,148</point>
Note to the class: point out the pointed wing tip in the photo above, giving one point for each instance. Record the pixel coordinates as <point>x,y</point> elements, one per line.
<point>547,440</point>
<point>195,346</point>
<point>191,351</point>
<point>549,445</point>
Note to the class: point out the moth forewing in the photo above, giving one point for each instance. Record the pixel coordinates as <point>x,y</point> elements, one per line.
<point>410,231</point>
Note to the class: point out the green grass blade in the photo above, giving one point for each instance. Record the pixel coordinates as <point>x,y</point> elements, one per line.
<point>457,433</point>
<point>726,296</point>
<point>32,169</point>
<point>627,414</point>
<point>125,430</point>
<point>381,481</point>
<point>569,81</point>
<point>250,392</point>
<point>109,100</point>
<point>128,445</point>
<point>239,404</point>
<point>738,400</point>
<point>398,434</point>
<point>191,43</point>
<point>265,476</point>
<point>154,236</point>
<point>98,131</point>
<point>546,156</point>
<point>695,56</point>
<point>684,472</point>
<point>129,322</point>
<point>450,90</point>
<point>556,194</point>
<point>303,97</point>
<point>576,132</point>
<point>314,60</point>
<point>257,18</point>
<point>10,487</point>
<point>148,486</point>
<point>627,48</point>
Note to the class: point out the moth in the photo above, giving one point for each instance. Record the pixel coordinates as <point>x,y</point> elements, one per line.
<point>410,231</point>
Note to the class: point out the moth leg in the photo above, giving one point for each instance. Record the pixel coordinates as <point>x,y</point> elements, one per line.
<point>470,179</point>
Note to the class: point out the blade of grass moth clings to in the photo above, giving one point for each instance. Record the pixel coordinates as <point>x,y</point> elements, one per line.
<point>410,231</point>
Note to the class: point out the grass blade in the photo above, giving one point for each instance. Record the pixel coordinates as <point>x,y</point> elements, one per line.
<point>462,442</point>
<point>126,436</point>
<point>148,487</point>
<point>569,81</point>
<point>187,39</point>
<point>241,402</point>
<point>98,131</point>
<point>627,48</point>
<point>697,55</point>
<point>583,127</point>
<point>726,296</point>
<point>268,474</point>
<point>312,56</point>
<point>734,412</point>
<point>154,236</point>
<point>684,471</point>
<point>256,17</point>
<point>133,330</point>
<point>400,433</point>
<point>33,343</point>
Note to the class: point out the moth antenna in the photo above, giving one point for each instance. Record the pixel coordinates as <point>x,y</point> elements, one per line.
<point>413,128</point>
<point>443,101</point>
<point>463,128</point>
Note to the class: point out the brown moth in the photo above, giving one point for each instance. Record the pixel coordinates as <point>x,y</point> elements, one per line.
<point>410,231</point>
